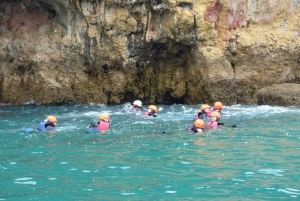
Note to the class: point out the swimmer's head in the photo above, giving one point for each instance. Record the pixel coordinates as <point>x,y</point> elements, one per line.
<point>216,114</point>
<point>51,119</point>
<point>137,103</point>
<point>104,117</point>
<point>199,123</point>
<point>218,105</point>
<point>153,107</point>
<point>203,107</point>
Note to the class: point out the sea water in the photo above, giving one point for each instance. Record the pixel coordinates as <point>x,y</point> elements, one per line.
<point>146,158</point>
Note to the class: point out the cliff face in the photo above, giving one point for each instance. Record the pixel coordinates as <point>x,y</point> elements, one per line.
<point>92,51</point>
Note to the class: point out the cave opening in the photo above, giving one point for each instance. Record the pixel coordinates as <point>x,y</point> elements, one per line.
<point>168,99</point>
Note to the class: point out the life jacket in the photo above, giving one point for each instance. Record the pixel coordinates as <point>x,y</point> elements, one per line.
<point>195,130</point>
<point>211,111</point>
<point>212,125</point>
<point>146,114</point>
<point>41,126</point>
<point>103,126</point>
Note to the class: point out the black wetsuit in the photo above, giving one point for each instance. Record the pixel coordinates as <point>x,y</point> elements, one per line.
<point>202,115</point>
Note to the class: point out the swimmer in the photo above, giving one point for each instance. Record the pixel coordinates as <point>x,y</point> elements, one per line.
<point>103,123</point>
<point>137,105</point>
<point>204,110</point>
<point>152,109</point>
<point>48,124</point>
<point>198,126</point>
<point>217,108</point>
<point>214,123</point>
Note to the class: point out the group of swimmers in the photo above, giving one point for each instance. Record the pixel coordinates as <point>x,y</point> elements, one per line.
<point>206,118</point>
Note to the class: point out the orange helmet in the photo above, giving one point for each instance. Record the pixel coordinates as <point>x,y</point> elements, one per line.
<point>216,114</point>
<point>199,123</point>
<point>218,105</point>
<point>204,106</point>
<point>51,119</point>
<point>153,107</point>
<point>104,117</point>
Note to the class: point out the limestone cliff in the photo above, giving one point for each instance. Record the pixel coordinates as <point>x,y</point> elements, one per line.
<point>160,51</point>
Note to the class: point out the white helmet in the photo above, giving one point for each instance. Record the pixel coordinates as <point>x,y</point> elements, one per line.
<point>137,103</point>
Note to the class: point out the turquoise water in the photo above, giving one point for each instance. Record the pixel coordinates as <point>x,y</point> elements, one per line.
<point>259,159</point>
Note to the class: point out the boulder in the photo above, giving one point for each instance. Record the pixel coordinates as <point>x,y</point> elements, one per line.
<point>279,94</point>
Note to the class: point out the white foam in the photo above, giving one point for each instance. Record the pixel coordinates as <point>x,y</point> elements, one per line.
<point>171,191</point>
<point>127,193</point>
<point>275,172</point>
<point>52,179</point>
<point>288,192</point>
<point>26,182</point>
<point>23,179</point>
<point>125,167</point>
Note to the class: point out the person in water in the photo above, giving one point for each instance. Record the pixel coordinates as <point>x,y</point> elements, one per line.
<point>204,110</point>
<point>198,126</point>
<point>137,105</point>
<point>217,108</point>
<point>103,123</point>
<point>214,123</point>
<point>152,109</point>
<point>48,124</point>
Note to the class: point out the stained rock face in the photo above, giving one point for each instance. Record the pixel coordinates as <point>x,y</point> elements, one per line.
<point>279,94</point>
<point>92,51</point>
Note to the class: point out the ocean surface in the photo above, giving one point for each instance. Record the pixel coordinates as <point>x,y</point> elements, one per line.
<point>146,158</point>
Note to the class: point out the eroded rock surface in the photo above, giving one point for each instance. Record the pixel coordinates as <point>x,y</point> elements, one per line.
<point>92,51</point>
<point>279,94</point>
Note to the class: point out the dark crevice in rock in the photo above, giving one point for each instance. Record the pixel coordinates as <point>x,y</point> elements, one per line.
<point>52,13</point>
<point>185,5</point>
<point>168,99</point>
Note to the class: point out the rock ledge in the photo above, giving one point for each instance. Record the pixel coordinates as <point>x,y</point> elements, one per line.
<point>279,94</point>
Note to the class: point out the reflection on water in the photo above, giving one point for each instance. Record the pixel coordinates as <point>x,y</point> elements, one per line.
<point>144,158</point>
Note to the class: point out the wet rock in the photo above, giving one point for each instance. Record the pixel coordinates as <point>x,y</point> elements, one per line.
<point>279,94</point>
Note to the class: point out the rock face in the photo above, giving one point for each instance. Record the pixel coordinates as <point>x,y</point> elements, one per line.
<point>159,51</point>
<point>279,94</point>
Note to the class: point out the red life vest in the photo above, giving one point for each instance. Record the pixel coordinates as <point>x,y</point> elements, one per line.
<point>212,125</point>
<point>146,114</point>
<point>103,126</point>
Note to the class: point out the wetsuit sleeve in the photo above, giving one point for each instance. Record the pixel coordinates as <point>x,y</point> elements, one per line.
<point>92,125</point>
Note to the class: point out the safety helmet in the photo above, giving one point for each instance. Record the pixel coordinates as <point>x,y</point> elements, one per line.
<point>104,117</point>
<point>153,107</point>
<point>218,105</point>
<point>204,106</point>
<point>137,103</point>
<point>216,114</point>
<point>199,123</point>
<point>51,119</point>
